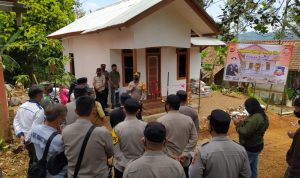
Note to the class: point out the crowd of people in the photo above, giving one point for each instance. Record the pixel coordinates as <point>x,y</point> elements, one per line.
<point>70,139</point>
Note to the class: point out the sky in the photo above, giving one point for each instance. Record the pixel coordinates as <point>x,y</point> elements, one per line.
<point>91,5</point>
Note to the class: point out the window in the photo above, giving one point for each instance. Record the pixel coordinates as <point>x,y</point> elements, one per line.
<point>127,62</point>
<point>182,55</point>
<point>72,63</point>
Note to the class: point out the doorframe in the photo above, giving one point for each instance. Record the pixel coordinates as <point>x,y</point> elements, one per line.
<point>159,68</point>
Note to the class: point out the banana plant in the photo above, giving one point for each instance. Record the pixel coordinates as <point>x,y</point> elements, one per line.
<point>8,62</point>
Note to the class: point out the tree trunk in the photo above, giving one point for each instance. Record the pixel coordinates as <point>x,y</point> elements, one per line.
<point>4,120</point>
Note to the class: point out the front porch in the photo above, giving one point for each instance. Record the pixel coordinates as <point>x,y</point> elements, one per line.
<point>164,70</point>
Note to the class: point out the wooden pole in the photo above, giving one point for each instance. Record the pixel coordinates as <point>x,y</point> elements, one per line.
<point>168,83</point>
<point>269,98</point>
<point>199,91</point>
<point>254,89</point>
<point>4,120</point>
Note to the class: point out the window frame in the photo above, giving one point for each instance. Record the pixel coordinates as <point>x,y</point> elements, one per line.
<point>182,51</point>
<point>126,53</point>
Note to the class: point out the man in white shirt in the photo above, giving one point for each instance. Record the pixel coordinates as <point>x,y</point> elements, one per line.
<point>55,115</point>
<point>29,114</point>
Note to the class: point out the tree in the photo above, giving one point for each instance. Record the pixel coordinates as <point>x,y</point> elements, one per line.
<point>32,49</point>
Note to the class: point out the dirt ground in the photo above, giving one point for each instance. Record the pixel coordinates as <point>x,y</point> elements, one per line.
<point>272,162</point>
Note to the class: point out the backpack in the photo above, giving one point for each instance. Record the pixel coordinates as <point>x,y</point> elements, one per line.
<point>39,168</point>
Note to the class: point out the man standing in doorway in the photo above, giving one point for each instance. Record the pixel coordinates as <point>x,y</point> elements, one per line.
<point>114,80</point>
<point>105,92</point>
<point>99,86</point>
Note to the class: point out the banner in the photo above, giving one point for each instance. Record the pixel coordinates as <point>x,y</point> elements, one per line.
<point>257,63</point>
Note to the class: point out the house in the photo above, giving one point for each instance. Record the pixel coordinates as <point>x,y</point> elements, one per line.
<point>153,37</point>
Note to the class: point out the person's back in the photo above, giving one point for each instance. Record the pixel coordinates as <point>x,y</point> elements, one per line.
<point>99,146</point>
<point>130,132</point>
<point>222,157</point>
<point>179,129</point>
<point>54,116</point>
<point>154,163</point>
<point>187,110</point>
<point>128,136</point>
<point>71,115</point>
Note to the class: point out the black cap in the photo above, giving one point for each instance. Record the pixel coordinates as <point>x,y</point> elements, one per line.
<point>82,80</point>
<point>182,95</point>
<point>80,90</point>
<point>132,105</point>
<point>220,121</point>
<point>34,90</point>
<point>297,102</point>
<point>173,101</point>
<point>124,97</point>
<point>155,132</point>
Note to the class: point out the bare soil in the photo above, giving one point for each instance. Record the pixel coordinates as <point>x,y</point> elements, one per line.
<point>272,162</point>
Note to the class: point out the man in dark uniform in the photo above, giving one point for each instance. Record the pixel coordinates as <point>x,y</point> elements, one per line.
<point>293,155</point>
<point>232,69</point>
<point>106,74</point>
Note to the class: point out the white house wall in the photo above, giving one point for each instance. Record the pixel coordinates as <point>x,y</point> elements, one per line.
<point>169,64</point>
<point>195,62</point>
<point>141,64</point>
<point>163,28</point>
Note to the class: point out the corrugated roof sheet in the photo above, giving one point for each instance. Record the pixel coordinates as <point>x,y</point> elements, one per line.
<point>206,41</point>
<point>112,15</point>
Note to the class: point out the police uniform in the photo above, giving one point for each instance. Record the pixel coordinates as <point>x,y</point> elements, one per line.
<point>154,164</point>
<point>182,135</point>
<point>221,157</point>
<point>127,138</point>
<point>189,111</point>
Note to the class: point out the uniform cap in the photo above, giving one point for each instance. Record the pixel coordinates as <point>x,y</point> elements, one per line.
<point>132,105</point>
<point>220,121</point>
<point>80,90</point>
<point>155,132</point>
<point>82,80</point>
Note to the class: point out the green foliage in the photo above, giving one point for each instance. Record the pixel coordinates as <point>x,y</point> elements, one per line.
<point>207,67</point>
<point>3,146</point>
<point>289,93</point>
<point>204,53</point>
<point>33,50</point>
<point>215,87</point>
<point>24,79</point>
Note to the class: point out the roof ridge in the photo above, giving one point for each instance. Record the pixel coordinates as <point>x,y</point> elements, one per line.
<point>110,5</point>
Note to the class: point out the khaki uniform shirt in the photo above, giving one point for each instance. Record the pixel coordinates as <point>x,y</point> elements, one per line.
<point>99,83</point>
<point>71,115</point>
<point>129,145</point>
<point>181,136</point>
<point>98,149</point>
<point>221,157</point>
<point>114,77</point>
<point>135,90</point>
<point>189,111</point>
<point>154,164</point>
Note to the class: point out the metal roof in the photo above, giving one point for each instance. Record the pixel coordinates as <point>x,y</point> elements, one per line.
<point>122,14</point>
<point>206,41</point>
<point>114,14</point>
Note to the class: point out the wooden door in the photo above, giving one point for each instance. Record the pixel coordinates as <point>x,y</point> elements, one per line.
<point>153,77</point>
